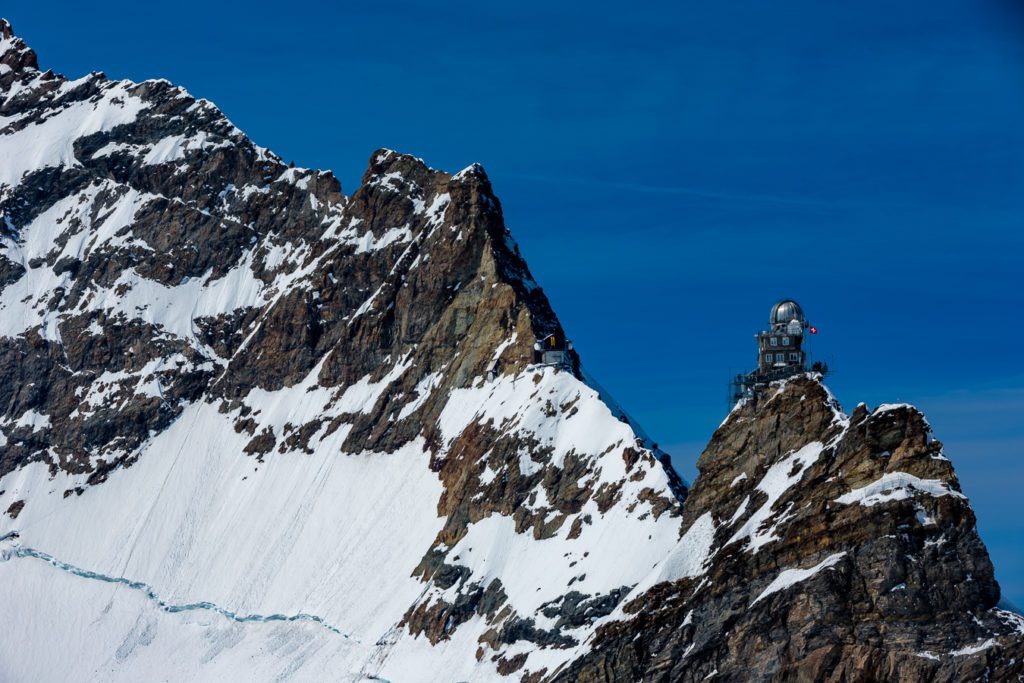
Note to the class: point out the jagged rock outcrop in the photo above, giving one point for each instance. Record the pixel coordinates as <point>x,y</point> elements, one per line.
<point>228,382</point>
<point>831,548</point>
<point>253,427</point>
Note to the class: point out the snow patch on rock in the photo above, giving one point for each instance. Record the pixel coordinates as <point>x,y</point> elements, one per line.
<point>897,486</point>
<point>779,478</point>
<point>791,577</point>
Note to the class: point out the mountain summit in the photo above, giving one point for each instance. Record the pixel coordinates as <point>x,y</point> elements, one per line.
<point>253,427</point>
<point>818,546</point>
<point>15,56</point>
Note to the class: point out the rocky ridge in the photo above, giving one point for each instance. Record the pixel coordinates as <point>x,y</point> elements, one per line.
<point>233,392</point>
<point>187,322</point>
<point>818,546</point>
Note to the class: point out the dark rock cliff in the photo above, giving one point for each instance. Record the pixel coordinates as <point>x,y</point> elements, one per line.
<point>838,549</point>
<point>415,262</point>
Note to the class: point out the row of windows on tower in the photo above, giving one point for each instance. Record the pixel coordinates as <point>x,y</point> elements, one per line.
<point>775,341</point>
<point>781,357</point>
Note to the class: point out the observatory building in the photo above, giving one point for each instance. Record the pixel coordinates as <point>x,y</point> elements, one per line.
<point>780,351</point>
<point>779,348</point>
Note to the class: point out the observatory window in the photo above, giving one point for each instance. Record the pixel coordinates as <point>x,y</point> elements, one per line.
<point>775,341</point>
<point>785,341</point>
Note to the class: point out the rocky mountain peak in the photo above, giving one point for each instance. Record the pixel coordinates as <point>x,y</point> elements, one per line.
<point>818,546</point>
<point>354,423</point>
<point>16,57</point>
<point>182,315</point>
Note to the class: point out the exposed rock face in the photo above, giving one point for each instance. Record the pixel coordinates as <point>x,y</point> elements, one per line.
<point>226,380</point>
<point>832,548</point>
<point>252,426</point>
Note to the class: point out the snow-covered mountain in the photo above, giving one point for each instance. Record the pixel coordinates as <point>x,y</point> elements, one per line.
<point>254,428</point>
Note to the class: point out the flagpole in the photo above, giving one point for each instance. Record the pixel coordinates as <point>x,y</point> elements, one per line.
<point>810,350</point>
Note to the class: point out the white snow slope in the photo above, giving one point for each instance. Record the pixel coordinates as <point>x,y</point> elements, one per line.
<point>200,562</point>
<point>332,535</point>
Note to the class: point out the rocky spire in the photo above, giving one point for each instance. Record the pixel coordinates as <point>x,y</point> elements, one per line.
<point>15,56</point>
<point>818,546</point>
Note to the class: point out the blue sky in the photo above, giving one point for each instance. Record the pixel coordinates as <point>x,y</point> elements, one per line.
<point>670,170</point>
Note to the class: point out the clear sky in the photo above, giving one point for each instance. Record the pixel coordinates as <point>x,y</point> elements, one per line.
<point>670,170</point>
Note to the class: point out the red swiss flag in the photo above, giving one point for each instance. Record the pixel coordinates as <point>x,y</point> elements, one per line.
<point>814,330</point>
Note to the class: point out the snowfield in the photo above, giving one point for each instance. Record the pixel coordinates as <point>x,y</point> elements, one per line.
<point>332,536</point>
